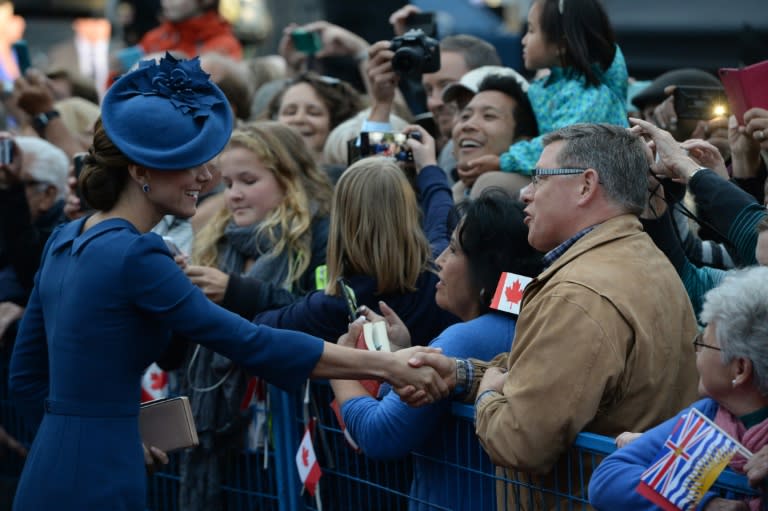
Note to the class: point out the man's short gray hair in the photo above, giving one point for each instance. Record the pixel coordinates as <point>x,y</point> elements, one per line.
<point>618,156</point>
<point>738,309</point>
<point>476,51</point>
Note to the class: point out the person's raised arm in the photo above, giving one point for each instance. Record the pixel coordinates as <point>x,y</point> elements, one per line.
<point>340,42</point>
<point>434,193</point>
<point>382,82</point>
<point>33,95</point>
<point>731,211</point>
<point>398,18</point>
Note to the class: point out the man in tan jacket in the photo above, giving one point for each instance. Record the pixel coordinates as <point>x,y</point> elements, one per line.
<point>603,340</point>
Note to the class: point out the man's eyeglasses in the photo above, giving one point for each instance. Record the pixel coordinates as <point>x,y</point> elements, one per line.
<point>698,344</point>
<point>538,173</point>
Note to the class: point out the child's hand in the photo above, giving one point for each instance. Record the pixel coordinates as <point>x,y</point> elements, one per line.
<point>471,170</point>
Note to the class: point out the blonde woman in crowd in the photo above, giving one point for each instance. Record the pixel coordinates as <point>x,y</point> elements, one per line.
<point>272,229</point>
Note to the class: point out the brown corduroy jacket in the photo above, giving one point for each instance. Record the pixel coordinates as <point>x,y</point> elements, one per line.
<point>603,344</point>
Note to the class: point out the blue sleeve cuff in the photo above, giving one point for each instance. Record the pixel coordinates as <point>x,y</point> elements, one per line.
<point>375,126</point>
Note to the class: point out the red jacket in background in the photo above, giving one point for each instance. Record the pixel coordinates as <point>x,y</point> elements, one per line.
<point>207,32</point>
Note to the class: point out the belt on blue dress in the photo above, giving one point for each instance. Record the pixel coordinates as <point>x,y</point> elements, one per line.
<point>95,409</point>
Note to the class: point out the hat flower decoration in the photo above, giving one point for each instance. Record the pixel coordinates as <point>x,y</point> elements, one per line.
<point>181,81</point>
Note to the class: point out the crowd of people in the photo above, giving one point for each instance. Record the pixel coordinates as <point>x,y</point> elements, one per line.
<point>225,218</point>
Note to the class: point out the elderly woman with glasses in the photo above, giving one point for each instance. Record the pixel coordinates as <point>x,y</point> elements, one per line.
<point>732,360</point>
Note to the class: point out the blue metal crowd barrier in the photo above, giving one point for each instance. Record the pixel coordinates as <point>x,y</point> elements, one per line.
<point>351,480</point>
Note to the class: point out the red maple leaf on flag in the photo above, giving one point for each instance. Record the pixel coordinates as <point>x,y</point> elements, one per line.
<point>159,380</point>
<point>513,292</point>
<point>304,455</point>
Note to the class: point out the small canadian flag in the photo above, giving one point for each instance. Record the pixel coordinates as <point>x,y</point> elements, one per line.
<point>154,383</point>
<point>509,292</point>
<point>306,462</point>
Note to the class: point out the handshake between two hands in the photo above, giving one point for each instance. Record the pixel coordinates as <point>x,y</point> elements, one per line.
<point>441,374</point>
<point>421,375</point>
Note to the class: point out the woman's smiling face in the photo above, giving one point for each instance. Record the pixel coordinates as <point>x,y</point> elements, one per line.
<point>302,109</point>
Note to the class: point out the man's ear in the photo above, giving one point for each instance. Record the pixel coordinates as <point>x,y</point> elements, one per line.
<point>588,186</point>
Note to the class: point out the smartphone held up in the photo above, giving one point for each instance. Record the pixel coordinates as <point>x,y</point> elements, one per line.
<point>306,41</point>
<point>694,102</point>
<point>21,50</point>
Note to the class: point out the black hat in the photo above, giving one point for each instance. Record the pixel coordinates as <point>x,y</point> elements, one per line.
<point>654,93</point>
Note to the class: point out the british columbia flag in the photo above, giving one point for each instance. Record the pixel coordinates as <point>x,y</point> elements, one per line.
<point>688,464</point>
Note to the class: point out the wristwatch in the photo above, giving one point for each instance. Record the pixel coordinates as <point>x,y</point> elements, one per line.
<point>40,121</point>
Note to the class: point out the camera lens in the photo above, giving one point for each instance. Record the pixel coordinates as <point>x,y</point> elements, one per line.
<point>408,60</point>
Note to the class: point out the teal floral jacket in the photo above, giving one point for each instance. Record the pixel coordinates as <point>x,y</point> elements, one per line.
<point>563,98</point>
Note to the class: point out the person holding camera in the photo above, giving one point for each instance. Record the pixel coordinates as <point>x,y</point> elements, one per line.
<point>437,65</point>
<point>109,296</point>
<point>657,104</point>
<point>19,244</point>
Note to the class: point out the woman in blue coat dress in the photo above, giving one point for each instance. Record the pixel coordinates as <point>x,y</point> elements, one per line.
<point>108,296</point>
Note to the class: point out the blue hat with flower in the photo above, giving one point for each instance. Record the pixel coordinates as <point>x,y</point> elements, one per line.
<point>167,115</point>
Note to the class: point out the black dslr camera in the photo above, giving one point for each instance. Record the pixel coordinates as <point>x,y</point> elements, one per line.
<point>415,54</point>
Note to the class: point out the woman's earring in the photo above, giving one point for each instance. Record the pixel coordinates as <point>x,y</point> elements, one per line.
<point>145,188</point>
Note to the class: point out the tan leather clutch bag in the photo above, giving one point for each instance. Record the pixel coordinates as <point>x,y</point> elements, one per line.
<point>168,424</point>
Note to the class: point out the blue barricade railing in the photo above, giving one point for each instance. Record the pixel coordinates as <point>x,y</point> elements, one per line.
<point>353,481</point>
